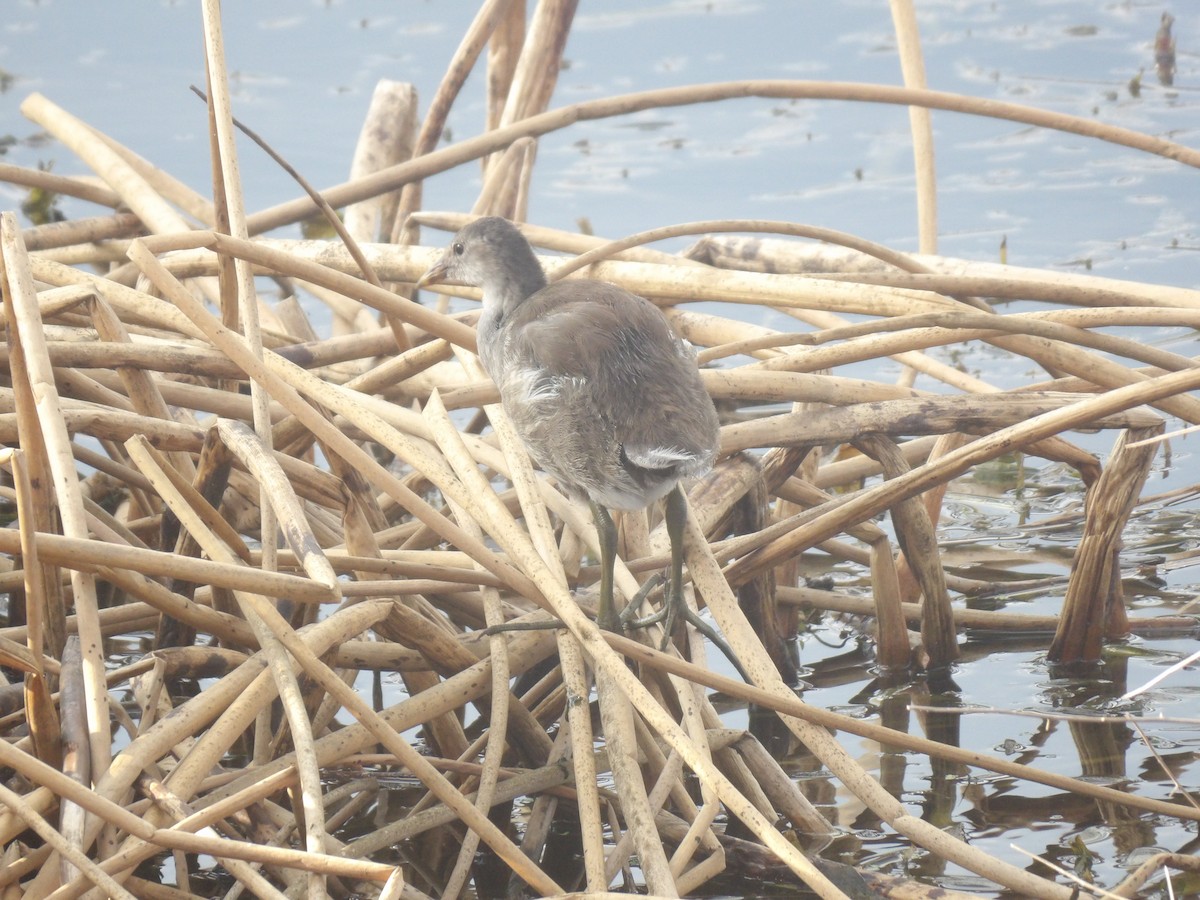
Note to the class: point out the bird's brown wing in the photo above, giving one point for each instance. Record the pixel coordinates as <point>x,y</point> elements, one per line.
<point>572,329</point>
<point>631,365</point>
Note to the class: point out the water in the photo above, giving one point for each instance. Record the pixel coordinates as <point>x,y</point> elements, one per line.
<point>303,74</point>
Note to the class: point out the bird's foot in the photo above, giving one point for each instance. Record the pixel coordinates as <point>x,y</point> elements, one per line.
<point>693,618</point>
<point>523,626</point>
<point>674,608</point>
<point>628,615</point>
<point>609,620</point>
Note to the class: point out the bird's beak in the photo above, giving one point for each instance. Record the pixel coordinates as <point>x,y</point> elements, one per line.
<point>436,274</point>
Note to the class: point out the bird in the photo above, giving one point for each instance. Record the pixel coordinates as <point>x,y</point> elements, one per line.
<point>604,395</point>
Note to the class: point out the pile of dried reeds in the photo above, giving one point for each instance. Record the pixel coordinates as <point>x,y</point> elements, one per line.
<point>156,449</point>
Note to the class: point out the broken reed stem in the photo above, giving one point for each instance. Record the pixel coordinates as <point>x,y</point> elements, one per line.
<point>455,452</point>
<point>915,535</point>
<point>231,210</point>
<point>66,185</point>
<point>912,64</point>
<point>52,440</point>
<point>286,682</point>
<point>1094,606</point>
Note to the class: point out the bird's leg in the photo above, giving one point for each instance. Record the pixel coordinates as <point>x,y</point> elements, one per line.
<point>674,602</point>
<point>674,605</point>
<point>606,616</point>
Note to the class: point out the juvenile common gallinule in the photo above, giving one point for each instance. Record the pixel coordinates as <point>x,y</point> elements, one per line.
<point>606,397</point>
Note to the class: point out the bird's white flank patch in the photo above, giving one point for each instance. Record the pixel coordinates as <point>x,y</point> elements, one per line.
<point>537,385</point>
<point>659,457</point>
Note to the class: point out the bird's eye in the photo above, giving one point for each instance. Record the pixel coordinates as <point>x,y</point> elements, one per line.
<point>458,248</point>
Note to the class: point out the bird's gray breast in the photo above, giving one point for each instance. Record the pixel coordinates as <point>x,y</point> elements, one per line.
<point>490,339</point>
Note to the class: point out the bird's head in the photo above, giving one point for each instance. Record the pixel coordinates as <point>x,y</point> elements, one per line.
<point>491,254</point>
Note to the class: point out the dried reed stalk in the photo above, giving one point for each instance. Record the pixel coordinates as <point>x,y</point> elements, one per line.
<point>912,64</point>
<point>37,383</point>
